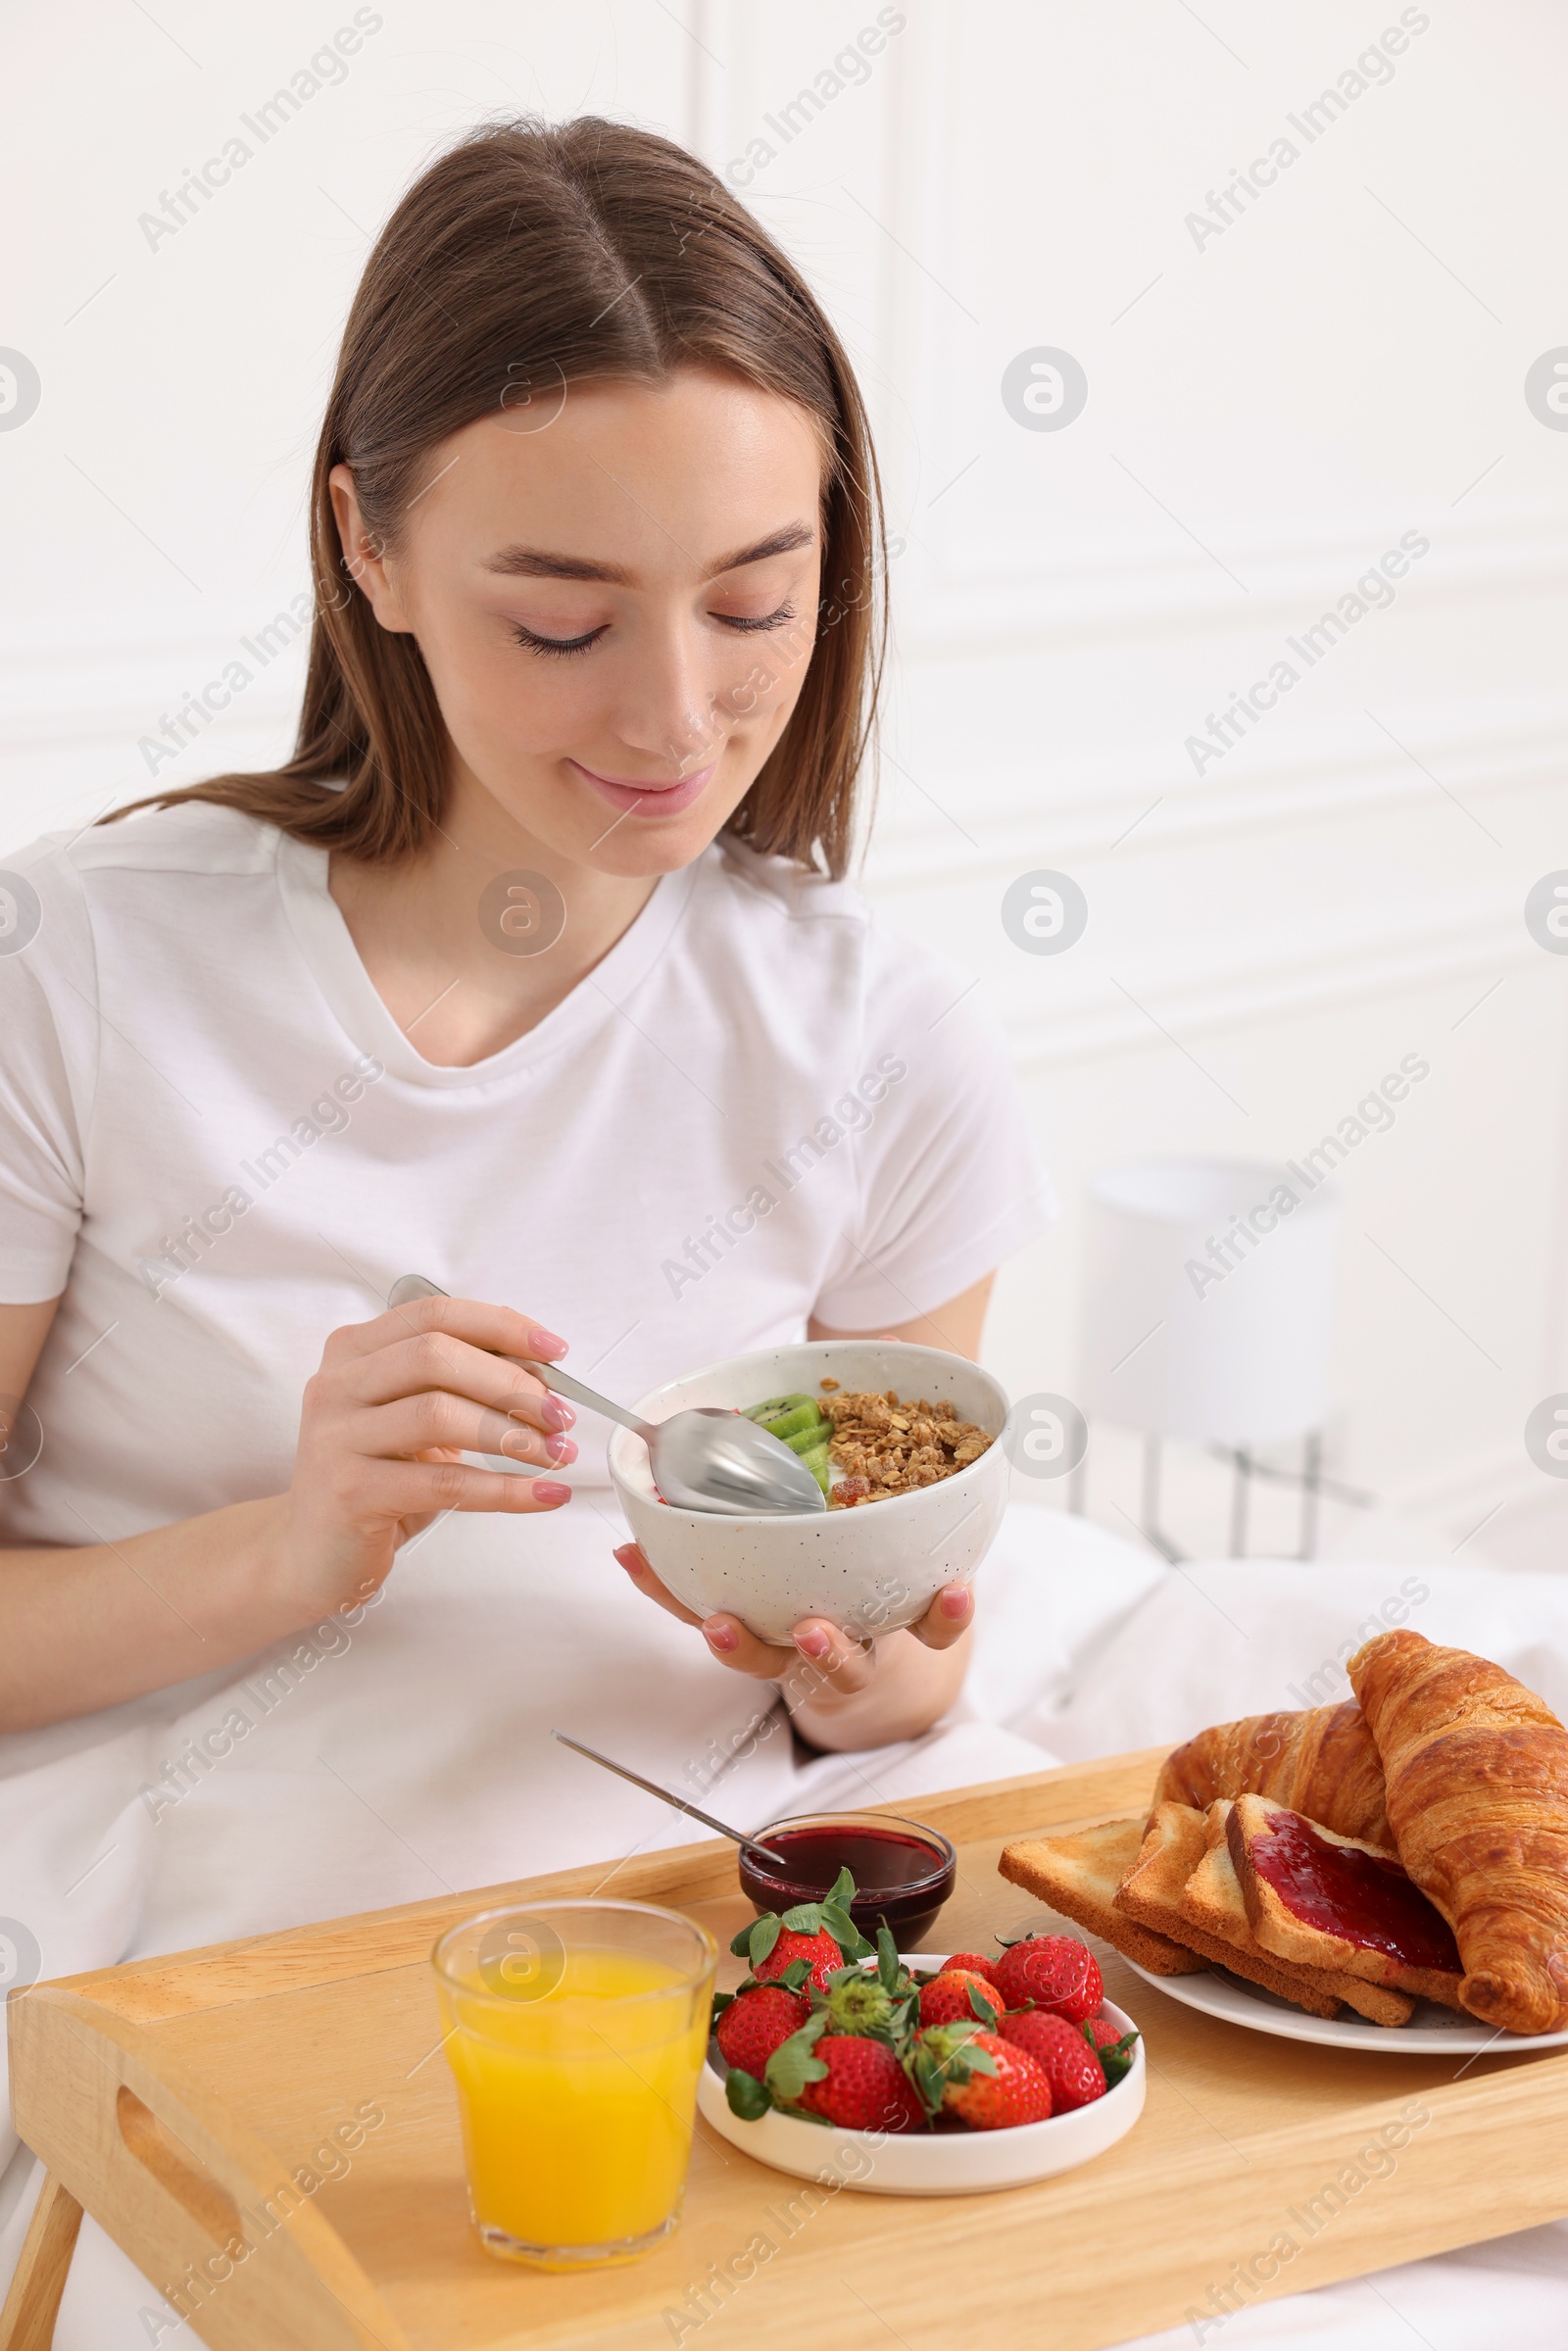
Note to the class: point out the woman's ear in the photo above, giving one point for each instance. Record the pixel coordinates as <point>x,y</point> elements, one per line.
<point>364,556</point>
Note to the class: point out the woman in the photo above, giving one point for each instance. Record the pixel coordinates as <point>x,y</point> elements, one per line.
<point>530,971</point>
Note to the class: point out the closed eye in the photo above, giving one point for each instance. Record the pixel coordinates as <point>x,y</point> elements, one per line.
<point>554,645</point>
<point>563,647</point>
<point>786,612</point>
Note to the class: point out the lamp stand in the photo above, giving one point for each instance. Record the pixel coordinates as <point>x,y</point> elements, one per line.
<point>1308,1479</point>
<point>1240,1495</point>
<point>1311,1488</point>
<point>1149,1515</point>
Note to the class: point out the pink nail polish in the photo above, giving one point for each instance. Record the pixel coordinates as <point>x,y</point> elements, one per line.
<point>545,1343</point>
<point>546,1491</point>
<point>560,1450</point>
<point>556,1413</point>
<point>956,1603</point>
<point>815,1643</point>
<point>723,1637</point>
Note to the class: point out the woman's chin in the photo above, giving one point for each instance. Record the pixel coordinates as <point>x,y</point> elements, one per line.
<point>661,845</point>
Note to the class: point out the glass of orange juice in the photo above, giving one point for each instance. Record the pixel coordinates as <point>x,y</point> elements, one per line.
<point>576,2032</point>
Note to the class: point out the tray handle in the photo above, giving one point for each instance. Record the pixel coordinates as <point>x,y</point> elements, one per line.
<point>158,2151</point>
<point>196,2199</point>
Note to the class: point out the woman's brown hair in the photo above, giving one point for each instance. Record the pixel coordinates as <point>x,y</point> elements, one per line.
<point>527,258</point>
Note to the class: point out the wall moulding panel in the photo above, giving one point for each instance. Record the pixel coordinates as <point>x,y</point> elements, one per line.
<point>1074,595</point>
<point>1250,990</point>
<point>917,847</point>
<point>106,713</point>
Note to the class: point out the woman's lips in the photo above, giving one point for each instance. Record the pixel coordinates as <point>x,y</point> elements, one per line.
<point>647,800</point>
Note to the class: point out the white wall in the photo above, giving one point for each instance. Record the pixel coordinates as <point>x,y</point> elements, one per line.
<point>1269,410</point>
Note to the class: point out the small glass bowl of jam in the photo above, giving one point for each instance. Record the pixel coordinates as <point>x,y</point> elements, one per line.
<point>904,1871</point>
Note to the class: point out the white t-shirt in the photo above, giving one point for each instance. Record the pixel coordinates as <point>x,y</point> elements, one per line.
<point>214,1139</point>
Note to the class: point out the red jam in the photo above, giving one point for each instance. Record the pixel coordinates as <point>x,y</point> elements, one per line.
<point>1341,1891</point>
<point>902,1877</point>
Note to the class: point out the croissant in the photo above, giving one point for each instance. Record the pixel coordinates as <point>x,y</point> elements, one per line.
<point>1477,1770</point>
<point>1321,1761</point>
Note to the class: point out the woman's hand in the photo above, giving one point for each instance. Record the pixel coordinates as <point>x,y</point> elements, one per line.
<point>384,1423</point>
<point>841,1692</point>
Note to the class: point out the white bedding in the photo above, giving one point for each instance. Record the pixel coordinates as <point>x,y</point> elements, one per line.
<point>391,1769</point>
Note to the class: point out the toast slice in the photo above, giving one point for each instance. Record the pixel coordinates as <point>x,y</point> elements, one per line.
<point>1078,1876</point>
<point>1322,1900</point>
<point>1152,1894</point>
<point>1212,1900</point>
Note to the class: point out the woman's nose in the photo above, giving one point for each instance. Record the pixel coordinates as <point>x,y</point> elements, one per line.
<point>669,711</point>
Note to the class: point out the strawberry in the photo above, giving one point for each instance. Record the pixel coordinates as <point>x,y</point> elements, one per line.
<point>820,1952</point>
<point>1067,2060</point>
<point>972,1960</point>
<point>1113,2049</point>
<point>820,1934</point>
<point>1054,1972</point>
<point>989,2082</point>
<point>862,2087</point>
<point>864,2005</point>
<point>754,2023</point>
<point>947,2000</point>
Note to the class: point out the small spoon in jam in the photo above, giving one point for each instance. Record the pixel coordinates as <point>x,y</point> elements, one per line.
<point>748,1843</point>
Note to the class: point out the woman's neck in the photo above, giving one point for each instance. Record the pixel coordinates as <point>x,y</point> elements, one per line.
<point>450,937</point>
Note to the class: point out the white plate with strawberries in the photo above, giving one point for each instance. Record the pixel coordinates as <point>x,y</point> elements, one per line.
<point>972,2079</point>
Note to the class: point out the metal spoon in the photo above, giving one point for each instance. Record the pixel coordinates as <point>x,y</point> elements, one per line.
<point>768,1852</point>
<point>704,1458</point>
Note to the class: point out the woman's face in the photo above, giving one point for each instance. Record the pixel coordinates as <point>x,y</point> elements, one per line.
<point>614,590</point>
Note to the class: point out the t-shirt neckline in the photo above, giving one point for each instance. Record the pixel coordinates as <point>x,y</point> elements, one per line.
<point>327,947</point>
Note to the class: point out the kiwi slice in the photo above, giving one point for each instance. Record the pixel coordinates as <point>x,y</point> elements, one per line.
<point>817,1460</point>
<point>776,1404</point>
<point>792,1417</point>
<point>802,1440</point>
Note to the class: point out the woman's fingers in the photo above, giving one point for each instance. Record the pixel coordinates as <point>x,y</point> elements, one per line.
<point>384,1422</point>
<point>647,1584</point>
<point>846,1665</point>
<point>832,1663</point>
<point>498,1329</point>
<point>948,1619</point>
<point>822,1661</point>
<point>727,1638</point>
<point>461,1345</point>
<point>734,1644</point>
<point>407,1489</point>
<point>438,1363</point>
<point>436,1421</point>
<point>835,1659</point>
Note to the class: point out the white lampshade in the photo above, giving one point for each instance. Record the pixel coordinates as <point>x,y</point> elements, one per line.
<point>1208,1303</point>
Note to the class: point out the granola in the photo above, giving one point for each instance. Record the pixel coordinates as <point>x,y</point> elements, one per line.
<point>885,1445</point>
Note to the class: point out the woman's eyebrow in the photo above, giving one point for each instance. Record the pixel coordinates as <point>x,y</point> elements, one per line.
<point>538,563</point>
<point>783,541</point>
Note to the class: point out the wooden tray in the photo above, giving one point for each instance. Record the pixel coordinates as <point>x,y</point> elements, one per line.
<point>174,2098</point>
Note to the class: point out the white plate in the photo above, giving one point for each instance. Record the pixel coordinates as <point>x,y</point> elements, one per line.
<point>939,2164</point>
<point>1433,2029</point>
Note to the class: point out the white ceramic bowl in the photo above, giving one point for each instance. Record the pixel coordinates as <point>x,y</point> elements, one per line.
<point>955,2162</point>
<point>870,1569</point>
